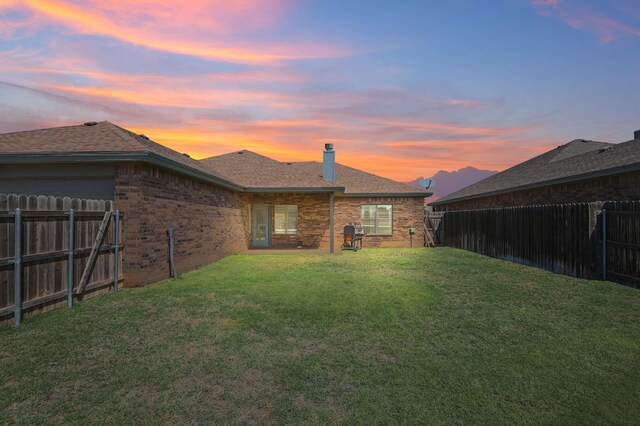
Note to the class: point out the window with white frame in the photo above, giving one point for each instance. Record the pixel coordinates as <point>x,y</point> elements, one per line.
<point>377,219</point>
<point>286,220</point>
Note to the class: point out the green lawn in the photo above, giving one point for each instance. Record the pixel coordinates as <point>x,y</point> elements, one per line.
<point>379,336</point>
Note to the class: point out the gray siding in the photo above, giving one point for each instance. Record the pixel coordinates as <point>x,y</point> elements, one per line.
<point>76,181</point>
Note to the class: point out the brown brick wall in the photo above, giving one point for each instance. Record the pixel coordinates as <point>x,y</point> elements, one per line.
<point>625,186</point>
<point>407,212</point>
<point>313,217</point>
<point>211,222</point>
<point>208,222</point>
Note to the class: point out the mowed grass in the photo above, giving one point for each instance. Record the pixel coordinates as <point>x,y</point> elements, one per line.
<point>375,337</point>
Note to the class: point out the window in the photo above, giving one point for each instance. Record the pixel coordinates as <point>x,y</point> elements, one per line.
<point>377,219</point>
<point>286,220</point>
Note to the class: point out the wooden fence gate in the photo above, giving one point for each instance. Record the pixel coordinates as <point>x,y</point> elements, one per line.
<point>433,229</point>
<point>52,249</point>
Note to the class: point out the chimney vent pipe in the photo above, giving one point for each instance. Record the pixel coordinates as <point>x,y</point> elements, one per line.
<point>329,163</point>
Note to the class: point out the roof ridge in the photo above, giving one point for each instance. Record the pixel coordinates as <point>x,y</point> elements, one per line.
<point>42,129</point>
<point>241,151</point>
<point>565,153</point>
<point>126,136</point>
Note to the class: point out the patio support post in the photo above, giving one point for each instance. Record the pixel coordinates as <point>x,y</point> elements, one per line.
<point>331,225</point>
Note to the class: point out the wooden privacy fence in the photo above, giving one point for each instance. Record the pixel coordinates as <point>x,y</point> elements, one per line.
<point>52,249</point>
<point>563,238</point>
<point>619,239</point>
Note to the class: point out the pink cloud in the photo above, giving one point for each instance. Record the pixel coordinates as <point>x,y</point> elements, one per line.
<point>466,103</point>
<point>196,27</point>
<point>580,17</point>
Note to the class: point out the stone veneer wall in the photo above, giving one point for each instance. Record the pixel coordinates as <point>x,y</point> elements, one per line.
<point>208,222</point>
<point>408,212</point>
<point>620,187</point>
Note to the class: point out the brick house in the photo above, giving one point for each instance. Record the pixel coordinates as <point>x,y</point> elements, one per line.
<point>579,171</point>
<point>218,206</point>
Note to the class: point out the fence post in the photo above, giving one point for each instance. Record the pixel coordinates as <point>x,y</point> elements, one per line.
<point>172,264</point>
<point>17,265</point>
<point>442,230</point>
<point>70,257</point>
<point>604,244</point>
<point>116,243</point>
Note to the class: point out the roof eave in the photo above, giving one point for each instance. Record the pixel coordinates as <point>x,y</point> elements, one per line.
<point>294,189</point>
<point>110,157</point>
<point>387,194</point>
<point>559,181</point>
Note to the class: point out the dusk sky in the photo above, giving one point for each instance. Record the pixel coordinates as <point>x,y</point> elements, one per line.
<point>402,88</point>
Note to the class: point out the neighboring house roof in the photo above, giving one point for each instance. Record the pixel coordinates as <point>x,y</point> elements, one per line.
<point>240,170</point>
<point>99,142</point>
<point>574,161</point>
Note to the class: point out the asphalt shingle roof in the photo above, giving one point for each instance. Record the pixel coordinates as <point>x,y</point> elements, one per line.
<point>257,171</point>
<point>101,137</point>
<point>240,169</point>
<point>576,160</point>
<point>357,181</point>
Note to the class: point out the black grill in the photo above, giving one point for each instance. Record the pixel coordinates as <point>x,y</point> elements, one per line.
<point>352,235</point>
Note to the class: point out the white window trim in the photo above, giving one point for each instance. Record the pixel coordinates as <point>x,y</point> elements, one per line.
<point>286,230</point>
<point>376,219</point>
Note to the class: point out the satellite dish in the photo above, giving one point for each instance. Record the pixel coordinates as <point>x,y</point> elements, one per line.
<point>427,183</point>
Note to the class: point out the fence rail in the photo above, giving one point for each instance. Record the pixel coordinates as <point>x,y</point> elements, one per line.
<point>47,246</point>
<point>588,240</point>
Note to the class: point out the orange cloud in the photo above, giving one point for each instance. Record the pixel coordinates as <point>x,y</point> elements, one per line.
<point>277,110</point>
<point>167,96</point>
<point>195,28</point>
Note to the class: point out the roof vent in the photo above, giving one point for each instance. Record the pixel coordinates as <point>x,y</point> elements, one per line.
<point>186,155</point>
<point>144,136</point>
<point>90,123</point>
<point>240,152</point>
<point>636,134</point>
<point>603,149</point>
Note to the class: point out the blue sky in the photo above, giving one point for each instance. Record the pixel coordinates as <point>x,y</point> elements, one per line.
<point>402,89</point>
